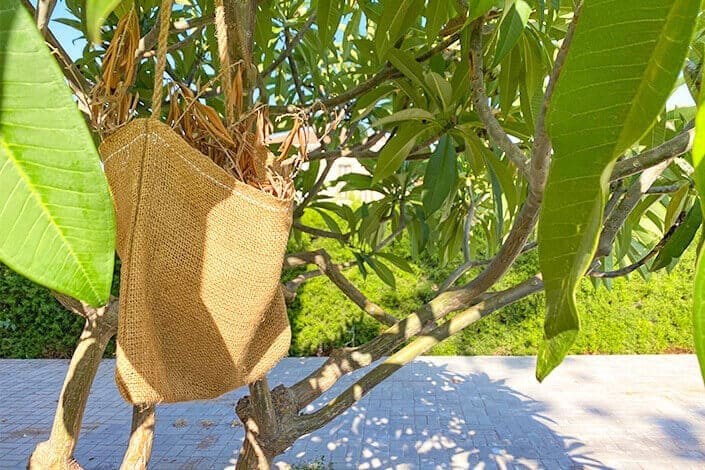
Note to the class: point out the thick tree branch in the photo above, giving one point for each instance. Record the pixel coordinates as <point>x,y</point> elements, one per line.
<point>677,146</point>
<point>259,415</point>
<point>468,265</point>
<point>309,422</point>
<point>139,448</point>
<point>538,172</point>
<point>42,15</point>
<point>100,326</point>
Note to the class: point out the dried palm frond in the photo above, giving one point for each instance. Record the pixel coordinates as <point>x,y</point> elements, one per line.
<point>239,148</point>
<point>112,104</point>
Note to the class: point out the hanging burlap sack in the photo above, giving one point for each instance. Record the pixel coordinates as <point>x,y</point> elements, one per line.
<point>201,311</point>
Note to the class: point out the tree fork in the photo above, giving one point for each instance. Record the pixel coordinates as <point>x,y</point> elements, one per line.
<point>265,414</point>
<point>101,325</point>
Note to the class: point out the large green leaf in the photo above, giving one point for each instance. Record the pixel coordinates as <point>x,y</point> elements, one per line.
<point>510,29</point>
<point>56,218</point>
<point>97,11</point>
<point>436,14</point>
<point>479,7</point>
<point>699,288</point>
<point>441,173</point>
<point>406,64</point>
<point>622,64</point>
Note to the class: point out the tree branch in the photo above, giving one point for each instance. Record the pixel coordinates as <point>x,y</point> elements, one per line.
<point>468,265</point>
<point>42,15</point>
<point>291,46</point>
<point>619,215</point>
<point>677,146</point>
<point>538,172</point>
<point>309,422</point>
<point>479,98</point>
<point>387,73</point>
<point>149,40</point>
<point>343,237</point>
<point>322,259</point>
<point>654,251</point>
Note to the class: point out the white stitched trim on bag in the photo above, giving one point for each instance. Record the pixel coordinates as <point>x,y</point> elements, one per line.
<point>224,186</point>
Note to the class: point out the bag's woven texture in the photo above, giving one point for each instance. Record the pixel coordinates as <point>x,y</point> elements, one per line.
<point>201,312</point>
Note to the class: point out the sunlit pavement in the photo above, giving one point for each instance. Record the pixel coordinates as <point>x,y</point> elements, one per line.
<point>438,412</point>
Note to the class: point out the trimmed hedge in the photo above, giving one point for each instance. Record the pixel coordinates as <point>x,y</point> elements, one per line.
<point>32,322</point>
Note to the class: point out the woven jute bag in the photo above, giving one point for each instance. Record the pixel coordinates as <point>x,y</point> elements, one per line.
<point>201,311</point>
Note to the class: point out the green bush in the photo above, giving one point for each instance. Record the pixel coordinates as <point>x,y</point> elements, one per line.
<point>636,316</point>
<point>32,322</point>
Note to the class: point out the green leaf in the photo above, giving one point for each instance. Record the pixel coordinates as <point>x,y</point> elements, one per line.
<point>436,14</point>
<point>675,205</point>
<point>381,269</point>
<point>124,7</point>
<point>397,149</point>
<point>699,287</point>
<point>410,114</point>
<point>56,219</point>
<point>510,29</point>
<point>441,173</point>
<point>328,19</point>
<point>397,17</point>
<point>406,64</point>
<point>510,74</point>
<point>97,11</point>
<point>621,67</point>
<point>440,87</point>
<point>397,261</point>
<point>329,221</point>
<point>479,8</point>
<point>680,239</point>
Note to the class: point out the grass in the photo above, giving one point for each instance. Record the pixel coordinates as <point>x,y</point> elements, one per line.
<point>633,317</point>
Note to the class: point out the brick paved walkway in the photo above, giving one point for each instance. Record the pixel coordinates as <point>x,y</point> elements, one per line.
<point>439,412</point>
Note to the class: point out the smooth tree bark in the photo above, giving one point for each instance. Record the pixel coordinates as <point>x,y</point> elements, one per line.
<point>101,325</point>
<point>139,448</point>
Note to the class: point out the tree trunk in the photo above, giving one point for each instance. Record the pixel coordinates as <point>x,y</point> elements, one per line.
<point>101,325</point>
<point>260,419</point>
<point>139,449</point>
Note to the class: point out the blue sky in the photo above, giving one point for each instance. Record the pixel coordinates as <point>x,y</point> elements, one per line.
<point>66,35</point>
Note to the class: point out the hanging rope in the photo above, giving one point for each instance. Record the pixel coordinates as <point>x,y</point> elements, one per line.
<point>221,34</point>
<point>164,23</point>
